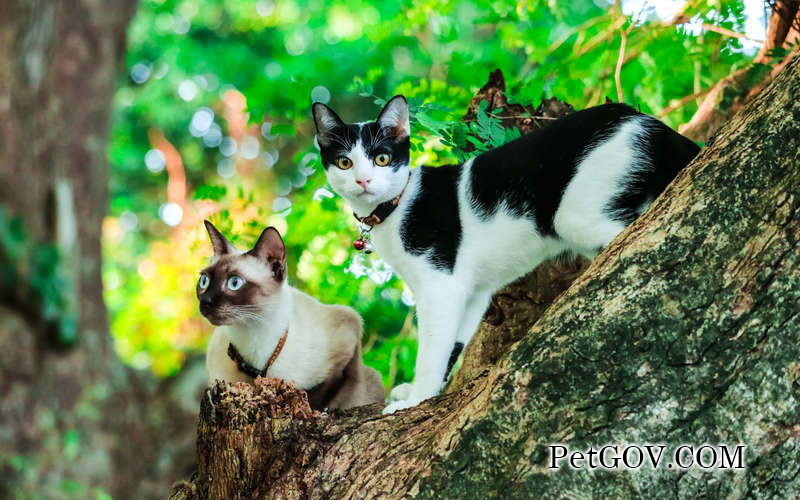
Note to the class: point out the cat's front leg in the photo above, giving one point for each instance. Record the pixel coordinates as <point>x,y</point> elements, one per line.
<point>400,392</point>
<point>439,314</point>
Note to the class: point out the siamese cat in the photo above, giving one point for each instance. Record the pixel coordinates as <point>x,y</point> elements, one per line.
<point>267,328</point>
<point>457,233</point>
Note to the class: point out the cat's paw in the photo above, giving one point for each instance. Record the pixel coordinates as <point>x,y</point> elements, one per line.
<point>400,392</point>
<point>400,405</point>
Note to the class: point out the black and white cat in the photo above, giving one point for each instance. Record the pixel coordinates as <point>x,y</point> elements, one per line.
<point>458,233</point>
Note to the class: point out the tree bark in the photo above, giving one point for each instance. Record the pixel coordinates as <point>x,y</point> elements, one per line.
<point>686,329</point>
<point>72,415</point>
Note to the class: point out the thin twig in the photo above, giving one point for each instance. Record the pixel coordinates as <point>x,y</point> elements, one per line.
<point>580,29</point>
<point>601,37</point>
<point>730,33</point>
<point>634,20</point>
<point>683,101</point>
<point>698,70</point>
<point>595,96</point>
<point>629,56</point>
<point>618,71</point>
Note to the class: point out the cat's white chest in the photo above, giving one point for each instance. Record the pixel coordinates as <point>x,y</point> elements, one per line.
<point>386,240</point>
<point>389,246</point>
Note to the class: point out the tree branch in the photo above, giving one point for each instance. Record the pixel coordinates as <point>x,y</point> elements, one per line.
<point>679,103</point>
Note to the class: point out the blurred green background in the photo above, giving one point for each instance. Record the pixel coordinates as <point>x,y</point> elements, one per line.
<point>212,120</point>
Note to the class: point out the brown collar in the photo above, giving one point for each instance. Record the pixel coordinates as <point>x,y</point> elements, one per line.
<point>249,369</point>
<point>383,210</point>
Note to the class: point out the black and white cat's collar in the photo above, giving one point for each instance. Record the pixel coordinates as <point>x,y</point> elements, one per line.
<point>383,210</point>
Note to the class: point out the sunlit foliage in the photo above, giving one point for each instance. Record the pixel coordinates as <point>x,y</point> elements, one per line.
<point>212,120</point>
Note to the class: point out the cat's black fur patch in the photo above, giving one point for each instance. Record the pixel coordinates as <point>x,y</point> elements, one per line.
<point>374,138</point>
<point>432,223</point>
<point>454,354</point>
<point>278,270</point>
<point>531,173</point>
<point>664,153</point>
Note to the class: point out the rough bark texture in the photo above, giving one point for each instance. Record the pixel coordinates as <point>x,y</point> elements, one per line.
<point>686,329</point>
<point>72,416</point>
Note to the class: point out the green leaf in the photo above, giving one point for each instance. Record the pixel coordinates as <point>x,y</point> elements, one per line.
<point>210,192</point>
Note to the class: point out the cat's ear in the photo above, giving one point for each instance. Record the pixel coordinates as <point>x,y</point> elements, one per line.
<point>326,121</point>
<point>269,246</point>
<point>218,242</point>
<point>394,117</point>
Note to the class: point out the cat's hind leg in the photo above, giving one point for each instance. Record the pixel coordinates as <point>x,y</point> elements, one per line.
<point>586,234</point>
<point>473,315</point>
<point>474,310</point>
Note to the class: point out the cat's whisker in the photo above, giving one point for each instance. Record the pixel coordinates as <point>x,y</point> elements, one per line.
<point>372,138</point>
<point>244,312</point>
<point>243,306</point>
<point>344,143</point>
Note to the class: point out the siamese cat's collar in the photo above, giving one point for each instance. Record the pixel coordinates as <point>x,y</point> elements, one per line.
<point>247,368</point>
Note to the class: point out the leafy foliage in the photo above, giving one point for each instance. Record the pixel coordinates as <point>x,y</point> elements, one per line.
<point>213,120</point>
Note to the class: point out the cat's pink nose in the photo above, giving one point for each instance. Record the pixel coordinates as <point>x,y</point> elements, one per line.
<point>363,182</point>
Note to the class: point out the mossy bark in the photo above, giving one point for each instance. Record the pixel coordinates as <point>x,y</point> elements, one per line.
<point>686,329</point>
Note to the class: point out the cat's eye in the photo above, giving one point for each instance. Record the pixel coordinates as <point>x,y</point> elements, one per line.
<point>203,282</point>
<point>383,159</point>
<point>344,162</point>
<point>235,283</point>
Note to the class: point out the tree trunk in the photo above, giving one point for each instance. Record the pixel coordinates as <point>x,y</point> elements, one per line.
<point>73,418</point>
<point>686,329</point>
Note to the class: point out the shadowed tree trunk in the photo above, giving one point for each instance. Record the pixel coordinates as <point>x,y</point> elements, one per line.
<point>72,418</point>
<point>686,329</point>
